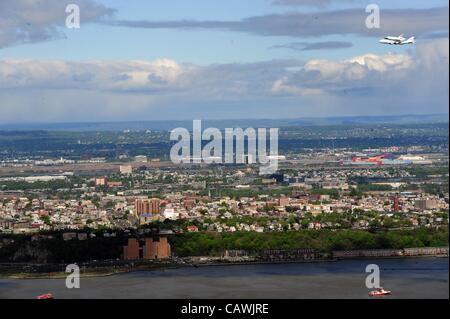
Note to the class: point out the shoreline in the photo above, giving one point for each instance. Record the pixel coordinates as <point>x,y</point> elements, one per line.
<point>108,273</point>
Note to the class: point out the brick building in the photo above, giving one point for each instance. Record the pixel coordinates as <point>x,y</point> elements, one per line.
<point>147,206</point>
<point>131,251</point>
<point>157,248</point>
<point>283,201</point>
<point>154,248</point>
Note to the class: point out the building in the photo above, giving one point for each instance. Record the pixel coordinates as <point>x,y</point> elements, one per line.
<point>199,185</point>
<point>148,218</point>
<point>189,203</point>
<point>154,248</point>
<point>170,213</point>
<point>248,159</point>
<point>114,184</point>
<point>131,251</point>
<point>141,159</point>
<point>101,181</point>
<point>278,177</point>
<point>283,201</point>
<point>396,204</point>
<point>147,206</point>
<point>418,160</point>
<point>424,204</point>
<point>192,229</point>
<point>126,169</point>
<point>6,223</point>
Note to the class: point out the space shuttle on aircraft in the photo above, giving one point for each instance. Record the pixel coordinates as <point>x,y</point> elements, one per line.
<point>400,40</point>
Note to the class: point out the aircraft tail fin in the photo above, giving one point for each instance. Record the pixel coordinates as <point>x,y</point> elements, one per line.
<point>412,40</point>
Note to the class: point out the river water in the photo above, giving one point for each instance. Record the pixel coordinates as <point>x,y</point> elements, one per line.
<point>406,278</point>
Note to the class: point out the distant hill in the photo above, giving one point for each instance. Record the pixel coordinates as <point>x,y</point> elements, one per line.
<point>168,125</point>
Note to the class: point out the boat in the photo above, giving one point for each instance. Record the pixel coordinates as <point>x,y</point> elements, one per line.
<point>45,296</point>
<point>379,292</point>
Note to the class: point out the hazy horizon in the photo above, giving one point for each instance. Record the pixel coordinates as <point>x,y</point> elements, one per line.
<point>222,123</point>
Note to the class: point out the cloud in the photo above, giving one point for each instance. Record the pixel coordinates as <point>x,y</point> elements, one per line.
<point>412,82</point>
<point>89,75</point>
<point>309,46</point>
<point>25,21</point>
<point>359,73</point>
<point>348,21</point>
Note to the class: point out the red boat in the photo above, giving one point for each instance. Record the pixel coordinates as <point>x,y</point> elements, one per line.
<point>379,292</point>
<point>45,296</point>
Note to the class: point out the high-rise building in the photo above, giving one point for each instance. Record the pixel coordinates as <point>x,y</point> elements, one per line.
<point>396,204</point>
<point>153,248</point>
<point>158,248</point>
<point>131,251</point>
<point>147,206</point>
<point>426,203</point>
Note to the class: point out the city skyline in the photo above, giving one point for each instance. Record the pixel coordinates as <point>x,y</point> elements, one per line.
<point>173,60</point>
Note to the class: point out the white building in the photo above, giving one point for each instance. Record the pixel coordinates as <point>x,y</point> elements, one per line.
<point>126,169</point>
<point>141,159</point>
<point>169,213</point>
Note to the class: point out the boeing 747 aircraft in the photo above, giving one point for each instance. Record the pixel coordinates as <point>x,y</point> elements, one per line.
<point>400,40</point>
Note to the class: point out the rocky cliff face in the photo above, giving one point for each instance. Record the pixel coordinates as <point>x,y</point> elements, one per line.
<point>31,253</point>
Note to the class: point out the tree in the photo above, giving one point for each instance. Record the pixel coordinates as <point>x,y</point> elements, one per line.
<point>46,220</point>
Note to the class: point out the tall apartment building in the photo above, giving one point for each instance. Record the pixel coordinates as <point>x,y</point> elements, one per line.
<point>153,248</point>
<point>396,203</point>
<point>425,203</point>
<point>156,248</point>
<point>131,251</point>
<point>147,206</point>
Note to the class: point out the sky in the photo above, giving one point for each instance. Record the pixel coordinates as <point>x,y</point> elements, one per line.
<point>219,59</point>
